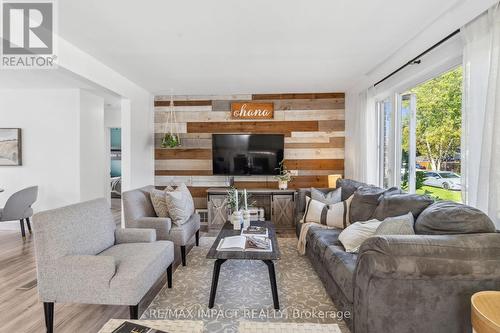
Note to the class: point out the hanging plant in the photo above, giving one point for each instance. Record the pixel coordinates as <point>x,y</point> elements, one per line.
<point>170,141</point>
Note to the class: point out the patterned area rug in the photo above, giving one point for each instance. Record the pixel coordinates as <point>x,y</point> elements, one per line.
<point>244,292</point>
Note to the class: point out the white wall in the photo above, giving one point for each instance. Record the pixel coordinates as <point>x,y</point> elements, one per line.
<point>92,135</point>
<point>63,145</point>
<point>49,121</point>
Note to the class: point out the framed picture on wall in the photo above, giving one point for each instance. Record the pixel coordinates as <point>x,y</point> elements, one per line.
<point>10,146</point>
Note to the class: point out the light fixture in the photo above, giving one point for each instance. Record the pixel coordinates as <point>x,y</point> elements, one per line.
<point>332,180</point>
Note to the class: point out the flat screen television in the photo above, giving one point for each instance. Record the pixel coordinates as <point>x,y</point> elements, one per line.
<point>247,154</point>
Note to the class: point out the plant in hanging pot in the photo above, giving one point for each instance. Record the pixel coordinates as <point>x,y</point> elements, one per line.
<point>170,141</point>
<point>283,177</point>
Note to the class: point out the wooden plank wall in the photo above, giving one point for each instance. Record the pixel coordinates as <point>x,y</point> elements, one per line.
<point>313,125</point>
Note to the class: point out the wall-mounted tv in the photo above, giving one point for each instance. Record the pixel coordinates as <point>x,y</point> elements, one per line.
<point>247,154</point>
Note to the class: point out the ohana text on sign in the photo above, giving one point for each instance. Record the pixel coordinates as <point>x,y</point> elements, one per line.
<point>251,110</point>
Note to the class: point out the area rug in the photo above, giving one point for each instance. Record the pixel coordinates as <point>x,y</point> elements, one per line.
<point>244,292</point>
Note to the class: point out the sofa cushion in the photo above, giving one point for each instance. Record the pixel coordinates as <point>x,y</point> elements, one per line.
<point>391,205</point>
<point>328,198</point>
<point>365,201</point>
<point>138,267</point>
<point>318,239</point>
<point>341,266</point>
<point>302,193</point>
<point>446,217</point>
<point>348,186</point>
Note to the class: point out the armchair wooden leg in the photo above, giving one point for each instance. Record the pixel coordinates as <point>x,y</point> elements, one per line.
<point>169,275</point>
<point>48,309</point>
<point>28,224</point>
<point>197,237</point>
<point>183,255</point>
<point>23,233</point>
<point>134,311</point>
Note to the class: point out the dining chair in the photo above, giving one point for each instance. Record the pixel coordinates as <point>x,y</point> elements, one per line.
<point>18,207</point>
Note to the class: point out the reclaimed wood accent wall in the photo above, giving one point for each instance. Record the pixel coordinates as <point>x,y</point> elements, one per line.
<point>313,125</point>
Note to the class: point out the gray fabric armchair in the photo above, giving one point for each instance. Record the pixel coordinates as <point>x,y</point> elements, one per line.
<point>82,258</point>
<point>139,213</point>
<point>18,207</point>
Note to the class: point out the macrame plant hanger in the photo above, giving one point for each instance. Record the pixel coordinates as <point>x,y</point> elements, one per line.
<point>171,138</point>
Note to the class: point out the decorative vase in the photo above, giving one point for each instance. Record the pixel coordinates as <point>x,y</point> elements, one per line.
<point>282,184</point>
<point>236,220</point>
<point>246,219</point>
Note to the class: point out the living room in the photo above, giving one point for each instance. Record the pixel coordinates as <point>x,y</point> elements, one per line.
<point>250,166</point>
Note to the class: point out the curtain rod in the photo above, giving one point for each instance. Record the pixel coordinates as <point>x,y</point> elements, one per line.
<point>416,60</point>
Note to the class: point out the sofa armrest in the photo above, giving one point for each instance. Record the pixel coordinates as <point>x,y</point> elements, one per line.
<point>162,225</point>
<point>432,275</point>
<point>431,255</point>
<point>134,235</point>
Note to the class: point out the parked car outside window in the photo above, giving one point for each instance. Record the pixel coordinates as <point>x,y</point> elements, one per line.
<point>443,179</point>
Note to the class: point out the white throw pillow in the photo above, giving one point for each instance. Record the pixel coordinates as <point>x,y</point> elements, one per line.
<point>159,202</point>
<point>180,204</point>
<point>399,225</point>
<point>337,215</point>
<point>354,235</point>
<point>314,211</point>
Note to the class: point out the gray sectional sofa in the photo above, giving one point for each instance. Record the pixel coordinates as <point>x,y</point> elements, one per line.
<point>417,283</point>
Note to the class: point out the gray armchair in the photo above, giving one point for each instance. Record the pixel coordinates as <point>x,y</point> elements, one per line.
<point>18,207</point>
<point>139,213</point>
<point>82,258</point>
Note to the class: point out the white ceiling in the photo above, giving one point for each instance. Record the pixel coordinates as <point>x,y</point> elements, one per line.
<point>236,46</point>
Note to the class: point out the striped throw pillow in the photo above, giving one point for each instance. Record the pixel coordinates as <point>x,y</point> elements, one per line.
<point>335,215</point>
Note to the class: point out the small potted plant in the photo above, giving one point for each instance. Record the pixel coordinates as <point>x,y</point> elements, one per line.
<point>170,141</point>
<point>283,177</point>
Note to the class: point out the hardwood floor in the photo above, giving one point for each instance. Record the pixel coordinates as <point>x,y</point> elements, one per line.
<point>20,309</point>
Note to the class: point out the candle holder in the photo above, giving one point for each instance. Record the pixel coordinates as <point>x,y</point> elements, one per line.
<point>236,220</point>
<point>246,219</point>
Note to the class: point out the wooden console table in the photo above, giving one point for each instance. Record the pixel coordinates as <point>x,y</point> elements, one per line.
<point>485,312</point>
<point>278,206</point>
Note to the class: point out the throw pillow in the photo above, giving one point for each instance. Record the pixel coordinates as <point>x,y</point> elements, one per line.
<point>354,235</point>
<point>399,225</point>
<point>329,198</point>
<point>348,186</point>
<point>446,217</point>
<point>337,215</point>
<point>158,201</point>
<point>180,204</point>
<point>365,202</point>
<point>315,211</point>
<point>399,204</point>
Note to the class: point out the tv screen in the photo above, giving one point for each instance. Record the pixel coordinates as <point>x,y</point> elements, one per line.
<point>247,154</point>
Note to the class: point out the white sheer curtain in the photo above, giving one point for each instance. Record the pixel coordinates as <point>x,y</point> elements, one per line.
<point>481,115</point>
<point>361,138</point>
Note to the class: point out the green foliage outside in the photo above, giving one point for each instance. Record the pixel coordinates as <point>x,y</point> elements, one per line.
<point>439,118</point>
<point>440,194</point>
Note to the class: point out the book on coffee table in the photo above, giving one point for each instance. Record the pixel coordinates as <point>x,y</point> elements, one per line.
<point>245,243</point>
<point>255,231</point>
<point>129,327</point>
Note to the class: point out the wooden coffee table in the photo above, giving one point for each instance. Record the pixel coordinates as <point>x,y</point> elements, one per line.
<point>267,257</point>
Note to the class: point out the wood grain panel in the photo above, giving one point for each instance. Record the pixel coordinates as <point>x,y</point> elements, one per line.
<point>326,164</point>
<point>308,181</point>
<point>184,103</point>
<point>285,127</point>
<point>183,164</point>
<point>190,154</point>
<point>183,172</point>
<point>314,153</point>
<point>332,143</point>
<point>298,96</point>
<point>289,104</point>
<point>332,125</point>
<point>198,192</point>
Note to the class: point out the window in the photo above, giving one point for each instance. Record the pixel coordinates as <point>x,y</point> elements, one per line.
<point>430,117</point>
